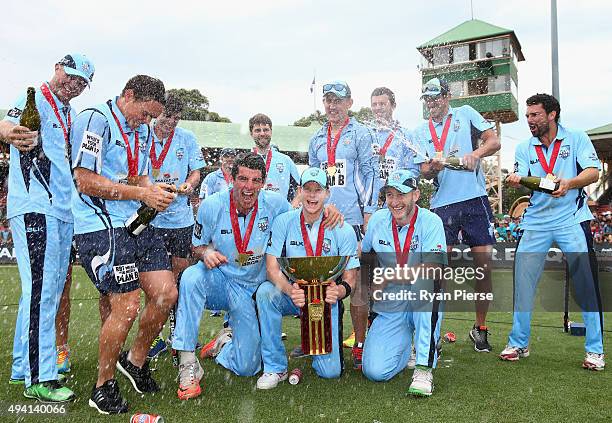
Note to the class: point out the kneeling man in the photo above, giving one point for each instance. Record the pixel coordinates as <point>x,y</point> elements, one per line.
<point>301,233</point>
<point>405,235</point>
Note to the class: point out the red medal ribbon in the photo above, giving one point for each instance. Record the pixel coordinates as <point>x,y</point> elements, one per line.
<point>241,243</point>
<point>402,254</point>
<point>439,143</point>
<point>388,141</point>
<point>227,177</point>
<point>331,146</point>
<point>306,238</point>
<point>268,158</point>
<point>548,168</point>
<point>132,160</point>
<point>46,92</point>
<point>157,163</point>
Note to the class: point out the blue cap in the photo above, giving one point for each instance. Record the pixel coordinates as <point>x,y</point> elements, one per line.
<point>78,65</point>
<point>314,174</point>
<point>227,152</point>
<point>435,87</point>
<point>402,180</point>
<point>338,88</point>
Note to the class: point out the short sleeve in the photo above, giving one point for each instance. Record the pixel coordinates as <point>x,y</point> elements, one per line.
<point>278,235</point>
<point>205,222</point>
<point>87,140</point>
<point>196,159</point>
<point>347,246</point>
<point>586,154</point>
<point>14,114</point>
<point>521,160</point>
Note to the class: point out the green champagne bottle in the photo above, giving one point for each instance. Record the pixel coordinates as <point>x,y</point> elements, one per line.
<point>454,163</point>
<point>140,220</point>
<point>539,184</point>
<point>30,118</point>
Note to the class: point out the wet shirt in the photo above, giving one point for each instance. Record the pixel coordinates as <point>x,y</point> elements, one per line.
<point>213,182</point>
<point>97,145</point>
<point>40,180</point>
<point>184,156</point>
<point>286,239</point>
<point>283,176</point>
<point>466,127</point>
<point>576,153</point>
<point>352,186</point>
<point>213,227</point>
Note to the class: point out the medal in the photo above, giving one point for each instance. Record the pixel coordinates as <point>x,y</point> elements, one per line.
<point>331,170</point>
<point>155,173</point>
<point>551,176</point>
<point>157,162</point>
<point>243,258</point>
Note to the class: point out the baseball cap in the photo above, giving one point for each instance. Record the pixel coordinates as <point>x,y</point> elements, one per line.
<point>314,174</point>
<point>227,152</point>
<point>435,87</point>
<point>339,88</point>
<point>78,65</point>
<point>402,180</point>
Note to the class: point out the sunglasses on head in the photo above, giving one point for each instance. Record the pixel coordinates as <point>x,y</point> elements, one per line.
<point>335,87</point>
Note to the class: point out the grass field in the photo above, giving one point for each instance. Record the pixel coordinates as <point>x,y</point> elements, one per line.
<point>550,385</point>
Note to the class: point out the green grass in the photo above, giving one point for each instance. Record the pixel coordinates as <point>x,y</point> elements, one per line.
<point>550,385</point>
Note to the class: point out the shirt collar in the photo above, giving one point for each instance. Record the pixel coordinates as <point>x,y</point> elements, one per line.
<point>449,112</point>
<point>316,222</point>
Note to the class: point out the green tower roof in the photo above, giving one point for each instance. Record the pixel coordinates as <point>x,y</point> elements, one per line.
<point>473,30</point>
<point>601,130</point>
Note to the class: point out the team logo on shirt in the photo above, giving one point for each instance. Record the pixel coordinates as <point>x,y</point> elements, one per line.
<point>414,244</point>
<point>376,149</point>
<point>280,167</point>
<point>14,112</point>
<point>180,153</point>
<point>457,125</point>
<point>326,245</point>
<point>564,152</point>
<point>263,224</point>
<point>437,249</point>
<point>142,147</point>
<point>454,150</point>
<point>383,242</point>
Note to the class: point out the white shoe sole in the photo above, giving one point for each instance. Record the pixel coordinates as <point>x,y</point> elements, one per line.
<point>93,404</point>
<point>130,378</point>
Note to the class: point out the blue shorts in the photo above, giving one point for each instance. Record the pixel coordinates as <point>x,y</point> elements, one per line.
<point>176,240</point>
<point>113,259</point>
<point>473,218</point>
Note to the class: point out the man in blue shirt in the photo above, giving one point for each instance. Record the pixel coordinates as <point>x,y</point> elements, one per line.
<point>343,148</point>
<point>404,234</point>
<point>565,157</point>
<point>282,173</point>
<point>231,233</point>
<point>176,159</point>
<point>460,198</point>
<point>110,160</point>
<point>300,233</point>
<point>41,222</point>
<point>220,179</point>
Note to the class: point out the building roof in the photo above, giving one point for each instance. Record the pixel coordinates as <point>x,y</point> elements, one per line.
<point>473,30</point>
<point>601,130</point>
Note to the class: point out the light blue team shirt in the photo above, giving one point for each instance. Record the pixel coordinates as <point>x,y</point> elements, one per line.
<point>399,155</point>
<point>39,182</point>
<point>352,188</point>
<point>283,176</point>
<point>214,227</point>
<point>428,239</point>
<point>97,145</point>
<point>453,186</point>
<point>576,153</point>
<point>286,239</point>
<point>184,156</point>
<point>213,182</point>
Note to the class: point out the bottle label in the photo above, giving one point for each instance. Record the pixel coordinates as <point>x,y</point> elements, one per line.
<point>131,220</point>
<point>547,184</point>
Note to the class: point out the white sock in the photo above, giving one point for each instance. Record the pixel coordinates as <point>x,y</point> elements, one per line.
<point>187,357</point>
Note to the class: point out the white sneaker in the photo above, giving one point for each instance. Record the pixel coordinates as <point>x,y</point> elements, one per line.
<point>412,359</point>
<point>270,380</point>
<point>189,377</point>
<point>511,353</point>
<point>223,337</point>
<point>594,361</point>
<point>422,383</point>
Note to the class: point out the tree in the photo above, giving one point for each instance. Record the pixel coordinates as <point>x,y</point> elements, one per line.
<point>196,106</point>
<point>427,189</point>
<point>364,115</point>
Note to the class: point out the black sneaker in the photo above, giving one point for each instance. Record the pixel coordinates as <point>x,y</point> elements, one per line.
<point>140,377</point>
<point>478,335</point>
<point>107,399</point>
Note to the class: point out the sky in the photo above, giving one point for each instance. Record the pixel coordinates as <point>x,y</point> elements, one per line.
<point>258,56</point>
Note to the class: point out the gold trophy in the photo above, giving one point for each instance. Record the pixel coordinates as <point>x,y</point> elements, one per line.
<point>313,275</point>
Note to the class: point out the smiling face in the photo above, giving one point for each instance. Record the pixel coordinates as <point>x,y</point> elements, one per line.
<point>336,108</point>
<point>165,124</point>
<point>313,197</point>
<point>247,184</point>
<point>262,134</point>
<point>138,112</point>
<point>401,205</point>
<point>64,86</point>
<point>382,108</point>
<point>538,120</point>
<point>437,106</point>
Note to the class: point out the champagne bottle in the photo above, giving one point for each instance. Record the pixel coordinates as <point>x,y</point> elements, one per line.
<point>454,163</point>
<point>140,220</point>
<point>539,184</point>
<point>30,118</point>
